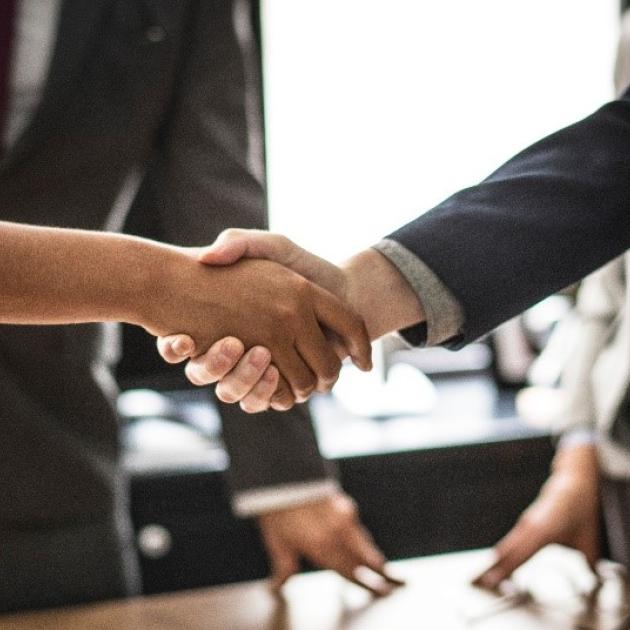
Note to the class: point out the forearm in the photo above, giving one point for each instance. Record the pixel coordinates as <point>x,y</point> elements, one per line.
<point>575,466</point>
<point>61,276</point>
<point>379,292</point>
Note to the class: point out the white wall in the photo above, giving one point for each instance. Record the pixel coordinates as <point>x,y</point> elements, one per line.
<point>378,109</point>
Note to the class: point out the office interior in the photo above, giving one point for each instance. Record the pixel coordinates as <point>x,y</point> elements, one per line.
<point>373,113</point>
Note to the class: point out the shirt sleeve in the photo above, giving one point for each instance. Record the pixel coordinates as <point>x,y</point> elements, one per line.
<point>444,316</point>
<point>599,304</point>
<point>261,500</point>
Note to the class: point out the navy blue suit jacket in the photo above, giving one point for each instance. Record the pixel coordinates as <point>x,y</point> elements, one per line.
<point>549,216</point>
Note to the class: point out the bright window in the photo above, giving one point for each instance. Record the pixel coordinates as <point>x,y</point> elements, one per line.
<point>377,110</point>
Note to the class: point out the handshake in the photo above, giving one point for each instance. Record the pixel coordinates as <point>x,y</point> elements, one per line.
<point>271,323</point>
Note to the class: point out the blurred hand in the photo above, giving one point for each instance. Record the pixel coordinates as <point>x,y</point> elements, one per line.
<point>329,534</point>
<point>566,512</point>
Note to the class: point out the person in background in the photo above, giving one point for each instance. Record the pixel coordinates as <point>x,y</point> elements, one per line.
<point>589,485</point>
<point>134,115</point>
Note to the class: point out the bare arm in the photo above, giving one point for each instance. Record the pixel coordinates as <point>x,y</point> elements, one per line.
<point>56,276</point>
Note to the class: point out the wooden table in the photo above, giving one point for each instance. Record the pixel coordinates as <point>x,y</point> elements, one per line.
<point>437,597</point>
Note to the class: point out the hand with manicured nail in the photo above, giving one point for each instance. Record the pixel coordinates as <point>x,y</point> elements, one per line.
<point>566,512</point>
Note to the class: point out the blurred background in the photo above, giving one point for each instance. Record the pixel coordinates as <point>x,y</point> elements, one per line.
<point>374,113</point>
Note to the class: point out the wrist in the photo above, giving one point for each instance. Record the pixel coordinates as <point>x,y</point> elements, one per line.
<point>380,294</point>
<point>157,275</point>
<point>576,466</point>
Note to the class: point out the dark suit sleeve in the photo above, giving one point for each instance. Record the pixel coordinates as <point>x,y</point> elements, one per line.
<point>552,214</point>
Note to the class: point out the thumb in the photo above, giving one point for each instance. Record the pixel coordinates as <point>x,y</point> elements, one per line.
<point>176,348</point>
<point>233,244</point>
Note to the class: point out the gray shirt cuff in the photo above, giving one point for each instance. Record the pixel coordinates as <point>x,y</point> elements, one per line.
<point>444,314</point>
<point>579,436</point>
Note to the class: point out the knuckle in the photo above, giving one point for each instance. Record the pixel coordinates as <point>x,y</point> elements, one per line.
<point>346,507</point>
<point>330,373</point>
<point>204,374</point>
<point>303,288</point>
<point>287,313</point>
<point>230,233</point>
<point>304,389</point>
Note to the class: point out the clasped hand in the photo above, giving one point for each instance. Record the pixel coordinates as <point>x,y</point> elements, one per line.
<point>257,312</point>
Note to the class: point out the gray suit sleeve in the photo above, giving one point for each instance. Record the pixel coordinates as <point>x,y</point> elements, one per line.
<point>275,450</point>
<point>207,177</point>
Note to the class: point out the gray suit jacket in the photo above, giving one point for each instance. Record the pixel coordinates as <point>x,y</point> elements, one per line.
<point>148,104</point>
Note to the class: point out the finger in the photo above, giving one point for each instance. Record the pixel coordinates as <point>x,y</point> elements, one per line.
<point>347,567</point>
<point>214,364</point>
<point>283,398</point>
<point>243,378</point>
<point>589,544</point>
<point>333,314</point>
<point>336,343</point>
<point>284,561</point>
<point>259,398</point>
<point>366,553</point>
<point>518,546</point>
<point>298,375</point>
<point>176,348</point>
<point>319,355</point>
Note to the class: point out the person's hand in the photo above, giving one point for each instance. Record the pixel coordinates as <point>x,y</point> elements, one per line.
<point>329,534</point>
<point>248,378</point>
<point>245,377</point>
<point>566,512</point>
<point>261,303</point>
<point>368,282</point>
<point>235,244</point>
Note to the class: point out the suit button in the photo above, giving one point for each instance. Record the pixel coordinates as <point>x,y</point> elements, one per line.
<point>154,541</point>
<point>155,34</point>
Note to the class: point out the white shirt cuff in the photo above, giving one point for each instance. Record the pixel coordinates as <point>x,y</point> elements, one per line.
<point>253,502</point>
<point>577,437</point>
